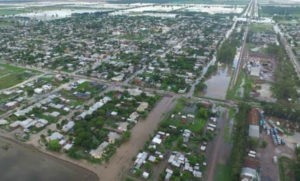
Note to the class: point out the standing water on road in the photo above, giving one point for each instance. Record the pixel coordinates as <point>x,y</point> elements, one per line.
<point>218,83</point>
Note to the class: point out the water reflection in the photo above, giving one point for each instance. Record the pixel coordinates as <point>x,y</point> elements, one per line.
<point>218,83</point>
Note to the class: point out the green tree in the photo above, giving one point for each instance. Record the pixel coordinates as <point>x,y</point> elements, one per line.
<point>54,145</point>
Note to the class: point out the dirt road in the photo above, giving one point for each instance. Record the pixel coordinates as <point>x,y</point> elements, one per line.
<point>219,150</point>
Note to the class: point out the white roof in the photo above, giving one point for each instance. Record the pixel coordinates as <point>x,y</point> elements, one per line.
<point>56,136</point>
<point>68,146</point>
<point>97,153</point>
<point>68,126</point>
<point>2,122</point>
<point>62,142</point>
<point>152,158</point>
<point>15,124</point>
<point>254,131</point>
<point>156,140</point>
<point>145,174</point>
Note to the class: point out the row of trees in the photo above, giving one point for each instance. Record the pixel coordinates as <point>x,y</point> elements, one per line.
<point>283,89</point>
<point>240,141</point>
<point>227,51</point>
<point>284,111</point>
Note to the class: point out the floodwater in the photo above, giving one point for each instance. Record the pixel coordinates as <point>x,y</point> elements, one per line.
<point>55,14</point>
<point>218,83</point>
<point>19,163</point>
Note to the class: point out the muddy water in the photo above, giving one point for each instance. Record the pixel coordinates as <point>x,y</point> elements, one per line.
<point>19,163</point>
<point>218,83</point>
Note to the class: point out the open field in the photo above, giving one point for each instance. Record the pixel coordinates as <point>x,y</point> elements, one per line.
<point>11,75</point>
<point>285,169</point>
<point>31,164</point>
<point>222,173</point>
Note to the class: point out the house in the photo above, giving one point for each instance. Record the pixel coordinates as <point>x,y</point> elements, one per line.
<point>142,107</point>
<point>152,158</point>
<point>11,104</point>
<point>84,95</point>
<point>253,118</point>
<point>3,122</point>
<point>122,126</point>
<point>140,159</point>
<point>134,92</point>
<point>68,146</point>
<point>169,174</point>
<point>182,91</point>
<point>38,90</point>
<point>186,135</point>
<point>67,127</point>
<point>156,140</point>
<point>98,152</point>
<point>26,124</point>
<point>41,123</point>
<point>46,87</point>
<point>176,159</point>
<point>133,116</point>
<point>62,142</point>
<point>55,114</point>
<point>55,136</point>
<point>118,78</point>
<point>250,170</point>
<point>113,136</point>
<point>145,175</point>
<point>15,124</point>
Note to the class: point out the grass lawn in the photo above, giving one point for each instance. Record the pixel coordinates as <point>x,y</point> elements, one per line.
<point>223,173</point>
<point>261,27</point>
<point>235,93</point>
<point>11,75</point>
<point>285,170</point>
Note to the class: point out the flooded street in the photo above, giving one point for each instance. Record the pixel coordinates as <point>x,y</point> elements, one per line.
<point>19,163</point>
<point>218,83</point>
<point>120,163</point>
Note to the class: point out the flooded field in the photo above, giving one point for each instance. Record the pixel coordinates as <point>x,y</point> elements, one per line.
<point>19,163</point>
<point>55,14</point>
<point>218,83</point>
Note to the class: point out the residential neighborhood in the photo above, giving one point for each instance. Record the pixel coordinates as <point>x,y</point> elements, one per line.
<point>149,90</point>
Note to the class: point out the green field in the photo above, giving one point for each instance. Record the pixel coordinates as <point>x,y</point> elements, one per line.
<point>285,169</point>
<point>223,173</point>
<point>11,75</point>
<point>261,27</point>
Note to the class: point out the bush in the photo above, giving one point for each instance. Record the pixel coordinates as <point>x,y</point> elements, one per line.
<point>264,144</point>
<point>54,145</point>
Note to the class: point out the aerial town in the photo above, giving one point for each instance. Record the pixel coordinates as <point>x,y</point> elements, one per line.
<point>150,90</point>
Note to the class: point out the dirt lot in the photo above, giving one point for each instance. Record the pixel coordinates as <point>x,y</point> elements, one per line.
<point>269,169</point>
